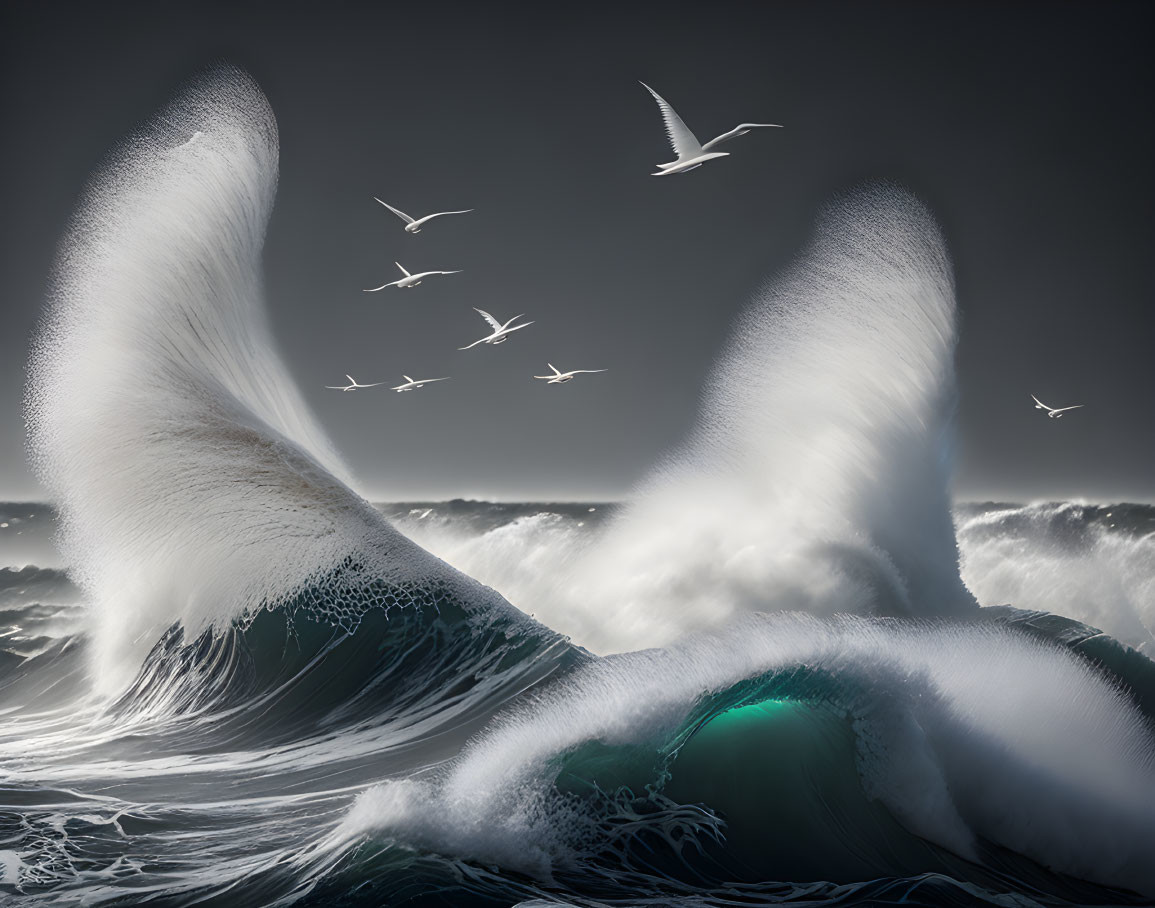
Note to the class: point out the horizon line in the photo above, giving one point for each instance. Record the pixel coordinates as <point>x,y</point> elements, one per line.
<point>584,499</point>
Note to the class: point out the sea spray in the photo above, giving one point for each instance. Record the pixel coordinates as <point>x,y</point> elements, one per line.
<point>966,733</point>
<point>1094,563</point>
<point>362,758</point>
<point>193,483</point>
<point>817,477</point>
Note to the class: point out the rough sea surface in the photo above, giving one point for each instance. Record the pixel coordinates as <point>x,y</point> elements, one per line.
<point>426,759</point>
<point>787,670</point>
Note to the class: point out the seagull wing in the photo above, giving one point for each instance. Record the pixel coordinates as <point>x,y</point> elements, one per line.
<point>586,371</point>
<point>383,286</point>
<point>1040,403</point>
<point>438,214</point>
<point>515,327</point>
<point>476,342</point>
<point>737,131</point>
<point>401,214</point>
<point>1065,409</point>
<point>684,143</point>
<point>493,323</point>
<point>335,387</point>
<point>403,271</point>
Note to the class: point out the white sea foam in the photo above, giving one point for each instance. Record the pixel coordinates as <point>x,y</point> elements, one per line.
<point>817,477</point>
<point>1067,559</point>
<point>1063,558</point>
<point>963,732</point>
<point>193,483</point>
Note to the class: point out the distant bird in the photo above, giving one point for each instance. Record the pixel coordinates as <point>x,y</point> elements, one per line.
<point>1053,412</point>
<point>414,225</point>
<point>409,280</point>
<point>352,386</point>
<point>411,383</point>
<point>560,378</point>
<point>690,152</point>
<point>500,332</point>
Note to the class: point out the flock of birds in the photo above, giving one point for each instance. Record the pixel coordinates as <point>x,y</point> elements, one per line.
<point>498,335</point>
<point>690,154</point>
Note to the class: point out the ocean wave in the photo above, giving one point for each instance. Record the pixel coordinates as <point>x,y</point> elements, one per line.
<point>966,734</point>
<point>816,478</point>
<point>193,483</point>
<point>1094,563</point>
<point>275,697</point>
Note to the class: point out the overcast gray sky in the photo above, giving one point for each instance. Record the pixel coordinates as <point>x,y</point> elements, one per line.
<point>1026,127</point>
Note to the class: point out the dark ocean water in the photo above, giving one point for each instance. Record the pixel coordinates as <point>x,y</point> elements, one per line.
<point>426,757</point>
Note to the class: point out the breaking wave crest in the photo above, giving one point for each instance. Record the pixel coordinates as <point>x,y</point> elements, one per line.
<point>194,485</point>
<point>1094,563</point>
<point>971,736</point>
<point>311,709</point>
<point>817,477</point>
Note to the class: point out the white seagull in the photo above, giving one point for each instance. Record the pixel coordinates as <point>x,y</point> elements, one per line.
<point>690,152</point>
<point>500,332</point>
<point>1053,412</point>
<point>413,225</point>
<point>352,386</point>
<point>411,383</point>
<point>560,378</point>
<point>409,280</point>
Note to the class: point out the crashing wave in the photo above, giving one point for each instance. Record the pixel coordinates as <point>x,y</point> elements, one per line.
<point>969,735</point>
<point>197,492</point>
<point>1094,563</point>
<point>817,478</point>
<point>194,486</point>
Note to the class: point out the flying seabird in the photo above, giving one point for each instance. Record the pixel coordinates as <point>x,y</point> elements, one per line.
<point>352,386</point>
<point>411,383</point>
<point>1053,412</point>
<point>500,332</point>
<point>409,280</point>
<point>560,378</point>
<point>413,225</point>
<point>690,152</point>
